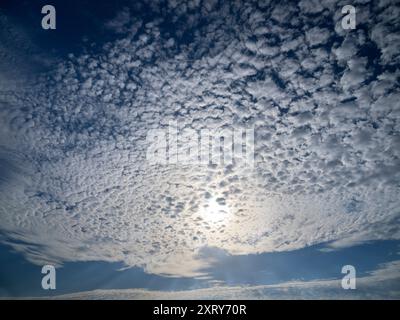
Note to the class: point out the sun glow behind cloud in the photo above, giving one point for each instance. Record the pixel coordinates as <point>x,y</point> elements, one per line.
<point>215,212</point>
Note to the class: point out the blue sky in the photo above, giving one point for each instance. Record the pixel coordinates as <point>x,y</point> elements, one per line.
<point>77,189</point>
<point>21,278</point>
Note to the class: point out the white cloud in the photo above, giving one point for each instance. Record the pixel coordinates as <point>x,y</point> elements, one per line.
<point>80,132</point>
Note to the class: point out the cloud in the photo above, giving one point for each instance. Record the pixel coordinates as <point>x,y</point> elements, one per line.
<point>380,284</point>
<point>326,148</point>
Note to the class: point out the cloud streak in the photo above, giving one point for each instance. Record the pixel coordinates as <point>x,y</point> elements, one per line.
<point>380,284</point>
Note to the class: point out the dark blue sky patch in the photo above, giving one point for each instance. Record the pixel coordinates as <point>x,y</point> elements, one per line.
<point>21,278</point>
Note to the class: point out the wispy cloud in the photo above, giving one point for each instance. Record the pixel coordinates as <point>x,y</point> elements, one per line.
<point>380,284</point>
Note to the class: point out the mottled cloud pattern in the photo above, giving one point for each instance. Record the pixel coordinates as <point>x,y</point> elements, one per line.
<point>324,103</point>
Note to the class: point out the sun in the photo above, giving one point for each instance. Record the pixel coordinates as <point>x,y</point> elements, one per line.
<point>215,211</point>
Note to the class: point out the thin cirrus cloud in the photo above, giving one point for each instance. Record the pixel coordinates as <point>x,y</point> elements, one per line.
<point>324,109</point>
<point>377,285</point>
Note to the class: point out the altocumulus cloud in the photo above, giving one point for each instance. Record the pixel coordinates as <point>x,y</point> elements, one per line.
<point>324,109</point>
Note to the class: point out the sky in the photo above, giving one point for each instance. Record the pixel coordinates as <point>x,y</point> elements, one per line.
<point>79,191</point>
